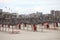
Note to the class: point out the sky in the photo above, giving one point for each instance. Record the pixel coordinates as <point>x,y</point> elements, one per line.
<point>29,6</point>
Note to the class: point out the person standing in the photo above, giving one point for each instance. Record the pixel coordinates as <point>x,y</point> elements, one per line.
<point>47,26</point>
<point>19,26</point>
<point>34,27</point>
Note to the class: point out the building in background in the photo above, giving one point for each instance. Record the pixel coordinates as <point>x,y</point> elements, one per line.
<point>55,12</point>
<point>7,17</point>
<point>1,16</point>
<point>33,18</point>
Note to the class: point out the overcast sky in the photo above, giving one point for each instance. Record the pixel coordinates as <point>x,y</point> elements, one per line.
<point>29,6</point>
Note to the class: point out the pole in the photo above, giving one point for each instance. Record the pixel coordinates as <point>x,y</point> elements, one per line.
<point>5,28</point>
<point>42,28</point>
<point>12,30</point>
<point>0,27</point>
<point>27,27</point>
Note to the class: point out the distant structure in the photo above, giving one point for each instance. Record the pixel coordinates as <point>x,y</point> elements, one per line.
<point>56,15</point>
<point>33,18</point>
<point>1,16</point>
<point>55,12</point>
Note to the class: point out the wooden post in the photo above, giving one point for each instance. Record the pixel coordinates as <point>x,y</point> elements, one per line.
<point>32,27</point>
<point>0,27</point>
<point>27,27</point>
<point>23,26</point>
<point>8,27</point>
<point>54,25</point>
<point>5,28</point>
<point>42,28</point>
<point>12,30</point>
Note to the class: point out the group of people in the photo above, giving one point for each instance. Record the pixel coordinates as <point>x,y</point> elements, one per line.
<point>34,26</point>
